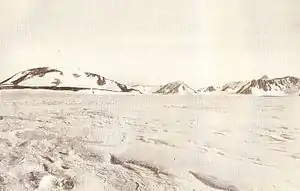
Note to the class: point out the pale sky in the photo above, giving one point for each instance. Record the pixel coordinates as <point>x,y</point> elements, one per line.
<point>201,42</point>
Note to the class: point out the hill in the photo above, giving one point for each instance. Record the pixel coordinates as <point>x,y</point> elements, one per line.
<point>55,79</point>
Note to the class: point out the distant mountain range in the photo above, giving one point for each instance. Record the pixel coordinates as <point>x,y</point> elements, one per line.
<point>261,86</point>
<point>56,79</point>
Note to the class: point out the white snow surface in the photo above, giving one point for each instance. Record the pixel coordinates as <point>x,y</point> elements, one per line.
<point>75,141</point>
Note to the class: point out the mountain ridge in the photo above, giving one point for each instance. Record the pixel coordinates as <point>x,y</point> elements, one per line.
<point>286,84</point>
<point>58,79</point>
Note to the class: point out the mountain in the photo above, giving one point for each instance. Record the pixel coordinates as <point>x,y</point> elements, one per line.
<point>55,79</point>
<point>177,87</point>
<point>288,84</point>
<point>145,89</point>
<point>265,77</point>
<point>231,87</point>
<point>261,86</point>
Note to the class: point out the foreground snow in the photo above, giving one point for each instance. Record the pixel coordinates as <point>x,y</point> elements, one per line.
<point>75,141</point>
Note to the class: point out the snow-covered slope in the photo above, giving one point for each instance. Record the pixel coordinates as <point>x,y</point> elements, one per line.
<point>51,78</point>
<point>177,87</point>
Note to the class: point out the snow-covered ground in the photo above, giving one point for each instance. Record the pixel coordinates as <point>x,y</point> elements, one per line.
<point>75,141</point>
